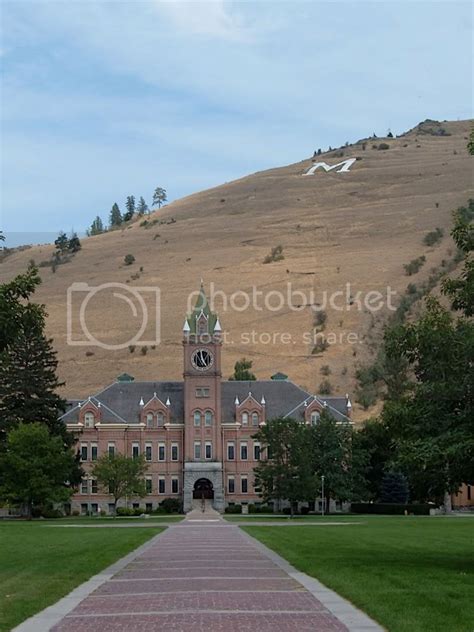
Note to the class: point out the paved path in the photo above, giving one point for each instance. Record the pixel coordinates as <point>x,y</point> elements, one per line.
<point>205,575</point>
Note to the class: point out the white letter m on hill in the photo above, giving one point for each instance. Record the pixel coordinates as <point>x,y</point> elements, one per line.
<point>345,165</point>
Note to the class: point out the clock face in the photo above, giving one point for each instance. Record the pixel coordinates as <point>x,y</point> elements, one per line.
<point>202,359</point>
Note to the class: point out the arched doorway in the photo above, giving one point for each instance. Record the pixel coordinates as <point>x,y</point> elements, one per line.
<point>203,489</point>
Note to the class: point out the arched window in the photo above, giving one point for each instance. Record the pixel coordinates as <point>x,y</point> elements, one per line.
<point>245,419</point>
<point>197,418</point>
<point>315,418</point>
<point>160,419</point>
<point>254,419</point>
<point>208,417</point>
<point>149,420</point>
<point>202,325</point>
<point>89,420</point>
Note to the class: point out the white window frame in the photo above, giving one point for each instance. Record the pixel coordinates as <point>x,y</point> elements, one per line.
<point>197,418</point>
<point>230,444</point>
<point>162,479</point>
<point>135,447</point>
<point>148,449</point>
<point>89,419</point>
<point>94,445</point>
<point>197,444</point>
<point>85,446</point>
<point>160,446</point>
<point>208,444</point>
<point>245,418</point>
<point>244,444</point>
<point>92,481</point>
<point>149,481</point>
<point>208,418</point>
<point>229,479</point>
<point>84,486</point>
<point>111,446</point>
<point>256,445</point>
<point>255,419</point>
<point>160,419</point>
<point>175,445</point>
<point>150,420</point>
<point>175,479</point>
<point>244,477</point>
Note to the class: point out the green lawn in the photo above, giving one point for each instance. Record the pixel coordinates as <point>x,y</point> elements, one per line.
<point>409,574</point>
<point>39,564</point>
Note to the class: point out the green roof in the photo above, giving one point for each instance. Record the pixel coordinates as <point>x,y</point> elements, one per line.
<point>201,307</point>
<point>125,377</point>
<point>279,376</point>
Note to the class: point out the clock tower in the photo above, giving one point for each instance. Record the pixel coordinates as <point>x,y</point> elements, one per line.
<point>203,456</point>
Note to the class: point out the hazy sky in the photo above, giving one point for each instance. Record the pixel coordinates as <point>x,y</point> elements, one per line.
<point>101,100</point>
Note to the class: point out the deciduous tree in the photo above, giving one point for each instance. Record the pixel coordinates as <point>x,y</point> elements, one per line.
<point>121,475</point>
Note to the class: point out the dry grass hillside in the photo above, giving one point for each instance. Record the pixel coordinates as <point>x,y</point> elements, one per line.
<point>358,227</point>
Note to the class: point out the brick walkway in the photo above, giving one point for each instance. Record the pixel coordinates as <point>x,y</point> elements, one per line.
<point>206,577</point>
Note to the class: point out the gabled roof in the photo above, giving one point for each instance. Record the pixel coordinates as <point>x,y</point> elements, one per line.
<point>120,402</point>
<point>201,308</point>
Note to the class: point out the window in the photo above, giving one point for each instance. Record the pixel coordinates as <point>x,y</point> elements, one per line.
<point>208,418</point>
<point>197,450</point>
<point>94,508</point>
<point>111,449</point>
<point>208,450</point>
<point>94,486</point>
<point>84,509</point>
<point>243,484</point>
<point>148,507</point>
<point>243,451</point>
<point>254,419</point>
<point>197,418</point>
<point>256,451</point>
<point>148,452</point>
<point>94,451</point>
<point>148,485</point>
<point>202,392</point>
<point>160,418</point>
<point>135,450</point>
<point>84,452</point>
<point>245,419</point>
<point>231,484</point>
<point>135,505</point>
<point>469,492</point>
<point>161,485</point>
<point>84,486</point>
<point>149,420</point>
<point>89,420</point>
<point>111,508</point>
<point>315,417</point>
<point>175,485</point>
<point>231,451</point>
<point>161,452</point>
<point>174,452</point>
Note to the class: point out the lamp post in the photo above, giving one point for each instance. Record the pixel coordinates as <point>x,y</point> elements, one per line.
<point>322,495</point>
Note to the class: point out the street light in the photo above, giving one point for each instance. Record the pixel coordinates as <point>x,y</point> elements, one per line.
<point>322,495</point>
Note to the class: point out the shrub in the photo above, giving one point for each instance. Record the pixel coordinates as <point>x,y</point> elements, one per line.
<point>414,265</point>
<point>411,288</point>
<point>321,345</point>
<point>233,509</point>
<point>320,319</point>
<point>394,488</point>
<point>366,395</point>
<point>433,237</point>
<point>305,510</point>
<point>325,369</point>
<point>276,254</point>
<point>418,509</point>
<point>129,259</point>
<point>171,505</point>
<point>131,348</point>
<point>383,146</point>
<point>144,350</point>
<point>325,388</point>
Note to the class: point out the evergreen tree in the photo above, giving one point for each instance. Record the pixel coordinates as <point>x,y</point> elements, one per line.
<point>74,244</point>
<point>97,227</point>
<point>34,468</point>
<point>115,216</point>
<point>15,306</point>
<point>130,204</point>
<point>121,475</point>
<point>394,488</point>
<point>62,243</point>
<point>159,197</point>
<point>28,381</point>
<point>142,207</point>
<point>242,371</point>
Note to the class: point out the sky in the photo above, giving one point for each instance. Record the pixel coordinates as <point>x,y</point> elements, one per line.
<point>100,100</point>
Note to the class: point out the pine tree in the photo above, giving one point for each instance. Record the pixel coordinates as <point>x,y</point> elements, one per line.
<point>394,488</point>
<point>115,215</point>
<point>74,244</point>
<point>159,197</point>
<point>130,204</point>
<point>97,227</point>
<point>62,243</point>
<point>142,207</point>
<point>28,381</point>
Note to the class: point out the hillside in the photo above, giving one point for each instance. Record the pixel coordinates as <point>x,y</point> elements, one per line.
<point>357,227</point>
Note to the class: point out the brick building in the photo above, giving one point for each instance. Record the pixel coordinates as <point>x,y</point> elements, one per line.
<point>196,434</point>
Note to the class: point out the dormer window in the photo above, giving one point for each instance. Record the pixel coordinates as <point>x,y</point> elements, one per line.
<point>245,419</point>
<point>201,325</point>
<point>315,417</point>
<point>160,418</point>
<point>149,420</point>
<point>254,419</point>
<point>89,420</point>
